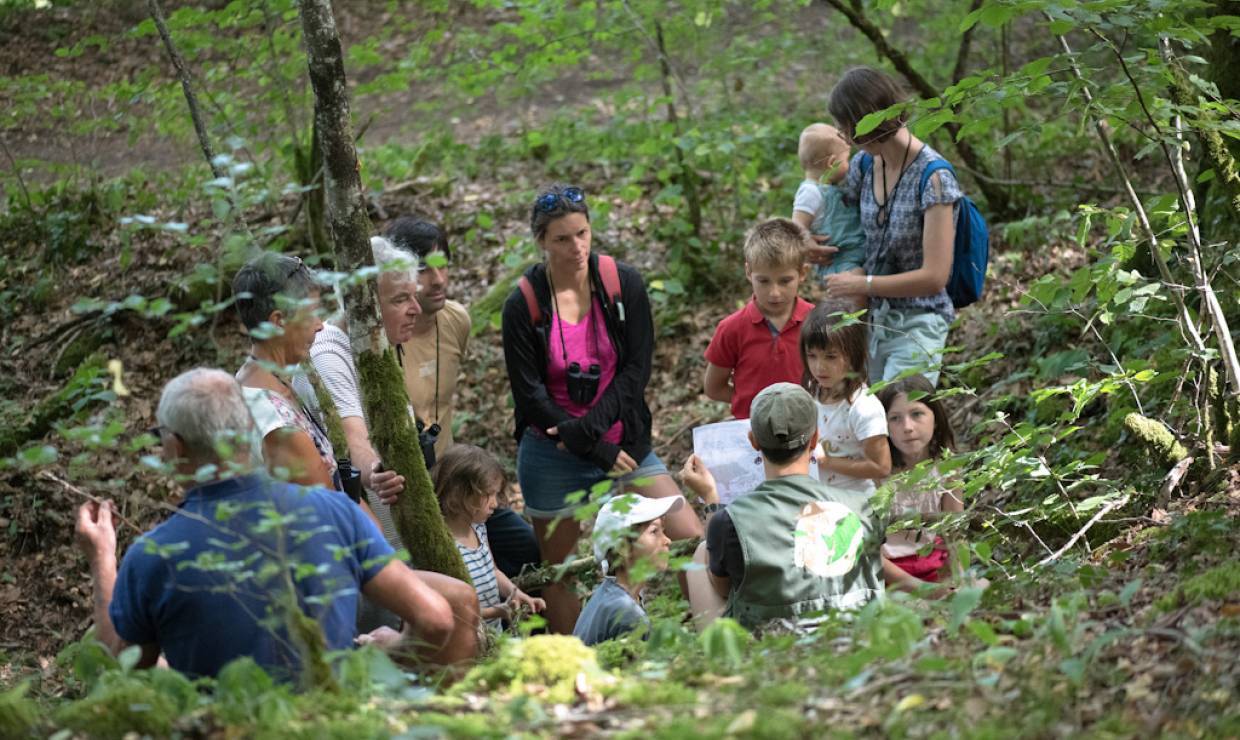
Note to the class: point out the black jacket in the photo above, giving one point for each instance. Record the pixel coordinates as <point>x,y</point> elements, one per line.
<point>525,354</point>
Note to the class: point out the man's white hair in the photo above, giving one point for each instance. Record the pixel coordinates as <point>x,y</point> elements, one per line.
<point>391,258</point>
<point>206,409</point>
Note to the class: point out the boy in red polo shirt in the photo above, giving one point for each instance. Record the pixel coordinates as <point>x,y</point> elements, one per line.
<point>758,345</point>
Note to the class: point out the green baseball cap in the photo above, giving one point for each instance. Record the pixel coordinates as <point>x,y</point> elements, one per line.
<point>783,416</point>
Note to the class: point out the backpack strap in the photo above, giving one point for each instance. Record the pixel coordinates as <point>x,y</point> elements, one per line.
<point>531,300</point>
<point>931,168</point>
<point>867,163</point>
<point>610,275</point>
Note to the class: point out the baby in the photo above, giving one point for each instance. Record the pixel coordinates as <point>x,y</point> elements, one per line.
<point>820,208</point>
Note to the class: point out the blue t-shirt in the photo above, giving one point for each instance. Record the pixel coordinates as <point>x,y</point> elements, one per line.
<point>204,584</point>
<point>609,613</point>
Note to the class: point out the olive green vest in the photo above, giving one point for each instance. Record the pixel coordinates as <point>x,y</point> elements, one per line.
<point>807,547</point>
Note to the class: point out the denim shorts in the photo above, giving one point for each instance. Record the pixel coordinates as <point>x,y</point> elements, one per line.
<point>904,339</point>
<point>548,475</point>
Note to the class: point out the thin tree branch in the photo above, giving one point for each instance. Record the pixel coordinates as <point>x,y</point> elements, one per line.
<point>1187,327</point>
<point>962,55</point>
<point>187,86</point>
<point>17,173</point>
<point>1110,506</point>
<point>1222,332</point>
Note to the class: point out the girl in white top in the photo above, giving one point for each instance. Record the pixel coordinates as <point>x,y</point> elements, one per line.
<point>919,430</point>
<point>851,425</point>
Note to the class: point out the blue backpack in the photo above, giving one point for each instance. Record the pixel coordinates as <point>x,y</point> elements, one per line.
<point>972,249</point>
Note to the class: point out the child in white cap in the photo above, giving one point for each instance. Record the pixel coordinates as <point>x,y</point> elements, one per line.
<point>628,531</point>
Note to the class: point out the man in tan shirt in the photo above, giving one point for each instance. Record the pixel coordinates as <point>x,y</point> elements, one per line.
<point>432,361</point>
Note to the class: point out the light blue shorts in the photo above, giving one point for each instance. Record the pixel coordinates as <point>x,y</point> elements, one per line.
<point>548,475</point>
<point>906,339</point>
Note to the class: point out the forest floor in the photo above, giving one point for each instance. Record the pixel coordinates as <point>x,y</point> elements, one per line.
<point>1132,632</point>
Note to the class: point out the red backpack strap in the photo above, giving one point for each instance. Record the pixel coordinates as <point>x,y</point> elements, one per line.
<point>531,300</point>
<point>611,282</point>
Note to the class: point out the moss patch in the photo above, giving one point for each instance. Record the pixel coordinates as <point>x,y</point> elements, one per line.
<point>545,666</point>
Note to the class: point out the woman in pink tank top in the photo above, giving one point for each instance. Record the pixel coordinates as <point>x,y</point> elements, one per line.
<point>578,353</point>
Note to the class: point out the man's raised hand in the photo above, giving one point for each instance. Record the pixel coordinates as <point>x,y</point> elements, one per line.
<point>95,532</point>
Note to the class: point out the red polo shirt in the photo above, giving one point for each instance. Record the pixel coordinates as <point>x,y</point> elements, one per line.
<point>744,343</point>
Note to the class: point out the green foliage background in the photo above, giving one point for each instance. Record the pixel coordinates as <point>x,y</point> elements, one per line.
<point>682,144</point>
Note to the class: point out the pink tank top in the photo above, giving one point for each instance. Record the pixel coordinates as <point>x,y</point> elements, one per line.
<point>586,343</point>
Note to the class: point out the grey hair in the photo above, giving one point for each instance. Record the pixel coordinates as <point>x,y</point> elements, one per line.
<point>263,281</point>
<point>391,258</point>
<point>206,409</point>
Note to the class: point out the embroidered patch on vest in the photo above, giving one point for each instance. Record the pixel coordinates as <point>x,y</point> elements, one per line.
<point>828,538</point>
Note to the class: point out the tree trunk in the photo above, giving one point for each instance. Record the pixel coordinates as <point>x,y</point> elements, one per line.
<point>384,398</point>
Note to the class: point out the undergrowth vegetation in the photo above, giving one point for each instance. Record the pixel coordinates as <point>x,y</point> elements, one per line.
<point>1092,384</point>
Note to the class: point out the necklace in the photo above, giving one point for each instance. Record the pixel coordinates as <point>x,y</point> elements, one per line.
<point>890,195</point>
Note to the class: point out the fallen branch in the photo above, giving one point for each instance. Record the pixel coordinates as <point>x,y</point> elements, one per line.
<point>1173,479</point>
<point>1111,506</point>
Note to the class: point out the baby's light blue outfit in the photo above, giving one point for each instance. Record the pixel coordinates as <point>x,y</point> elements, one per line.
<point>833,217</point>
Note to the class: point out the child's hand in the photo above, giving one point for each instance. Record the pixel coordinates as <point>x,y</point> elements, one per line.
<point>698,478</point>
<point>525,601</point>
<point>822,252</point>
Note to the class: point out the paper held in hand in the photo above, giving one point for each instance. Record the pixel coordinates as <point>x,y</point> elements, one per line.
<point>725,450</point>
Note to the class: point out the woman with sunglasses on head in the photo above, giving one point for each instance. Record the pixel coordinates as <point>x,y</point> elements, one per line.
<point>910,230</point>
<point>278,302</point>
<point>578,343</point>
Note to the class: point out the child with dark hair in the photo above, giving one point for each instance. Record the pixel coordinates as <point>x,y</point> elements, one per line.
<point>919,431</point>
<point>851,424</point>
<point>469,483</point>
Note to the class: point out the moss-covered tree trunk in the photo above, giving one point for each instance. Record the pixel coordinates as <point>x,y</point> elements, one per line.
<point>384,398</point>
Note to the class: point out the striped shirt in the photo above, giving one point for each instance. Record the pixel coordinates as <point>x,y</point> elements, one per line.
<point>481,567</point>
<point>332,356</point>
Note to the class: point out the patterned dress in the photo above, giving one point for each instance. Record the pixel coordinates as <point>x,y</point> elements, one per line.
<point>896,247</point>
<point>272,411</point>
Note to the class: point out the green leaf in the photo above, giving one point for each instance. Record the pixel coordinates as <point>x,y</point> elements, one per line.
<point>724,642</point>
<point>1130,590</point>
<point>983,631</point>
<point>1060,26</point>
<point>964,601</point>
<point>872,120</point>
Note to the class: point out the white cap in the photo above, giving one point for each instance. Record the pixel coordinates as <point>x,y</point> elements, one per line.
<point>625,511</point>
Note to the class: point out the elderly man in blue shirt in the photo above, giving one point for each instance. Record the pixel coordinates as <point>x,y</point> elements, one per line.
<point>218,578</point>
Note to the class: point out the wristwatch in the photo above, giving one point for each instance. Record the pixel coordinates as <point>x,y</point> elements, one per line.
<point>712,508</point>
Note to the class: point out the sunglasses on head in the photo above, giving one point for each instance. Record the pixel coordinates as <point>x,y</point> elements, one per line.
<point>550,201</point>
<point>297,265</point>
